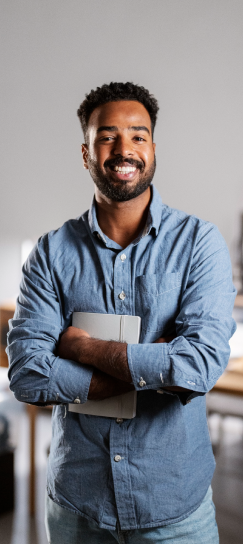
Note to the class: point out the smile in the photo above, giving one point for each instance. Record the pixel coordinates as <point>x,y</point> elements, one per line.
<point>124,169</point>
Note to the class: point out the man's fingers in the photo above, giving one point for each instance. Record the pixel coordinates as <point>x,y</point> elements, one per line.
<point>165,339</point>
<point>103,386</point>
<point>73,332</point>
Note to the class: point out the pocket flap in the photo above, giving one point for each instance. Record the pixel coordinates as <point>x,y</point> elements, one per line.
<point>156,284</point>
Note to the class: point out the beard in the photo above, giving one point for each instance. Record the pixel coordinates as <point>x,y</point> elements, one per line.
<point>120,191</point>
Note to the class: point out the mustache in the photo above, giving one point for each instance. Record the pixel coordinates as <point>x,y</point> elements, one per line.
<point>110,163</point>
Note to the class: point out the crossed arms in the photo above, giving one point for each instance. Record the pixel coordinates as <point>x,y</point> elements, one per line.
<point>111,375</point>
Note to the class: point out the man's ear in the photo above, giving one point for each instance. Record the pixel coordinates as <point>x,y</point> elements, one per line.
<point>85,151</point>
<point>154,146</point>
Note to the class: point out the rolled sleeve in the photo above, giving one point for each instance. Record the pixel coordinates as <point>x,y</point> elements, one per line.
<point>152,367</point>
<point>198,355</point>
<point>66,382</point>
<point>69,381</point>
<point>37,375</point>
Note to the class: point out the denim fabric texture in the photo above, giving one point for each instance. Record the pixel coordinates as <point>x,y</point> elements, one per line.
<point>64,527</point>
<point>177,277</point>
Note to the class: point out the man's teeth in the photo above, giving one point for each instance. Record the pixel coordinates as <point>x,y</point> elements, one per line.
<point>124,169</point>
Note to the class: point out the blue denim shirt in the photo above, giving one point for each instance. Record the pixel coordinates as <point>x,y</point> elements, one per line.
<point>177,278</point>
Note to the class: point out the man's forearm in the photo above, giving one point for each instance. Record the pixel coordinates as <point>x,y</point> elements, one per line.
<point>108,356</point>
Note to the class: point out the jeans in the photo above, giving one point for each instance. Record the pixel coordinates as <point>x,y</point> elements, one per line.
<point>65,527</point>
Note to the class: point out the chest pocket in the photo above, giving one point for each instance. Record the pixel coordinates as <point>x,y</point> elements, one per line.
<point>157,301</point>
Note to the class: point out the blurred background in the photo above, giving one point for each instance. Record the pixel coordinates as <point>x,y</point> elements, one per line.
<point>189,54</point>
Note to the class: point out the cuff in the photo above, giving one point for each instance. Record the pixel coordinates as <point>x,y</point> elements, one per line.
<point>185,397</point>
<point>154,366</point>
<point>69,381</point>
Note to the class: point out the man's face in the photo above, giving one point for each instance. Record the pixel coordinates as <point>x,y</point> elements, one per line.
<point>120,154</point>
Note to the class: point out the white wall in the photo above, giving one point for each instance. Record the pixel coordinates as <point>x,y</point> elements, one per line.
<point>189,53</point>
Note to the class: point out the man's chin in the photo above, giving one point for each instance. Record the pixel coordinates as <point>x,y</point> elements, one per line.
<point>122,192</point>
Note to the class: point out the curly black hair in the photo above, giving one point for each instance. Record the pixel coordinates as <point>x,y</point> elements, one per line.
<point>115,92</point>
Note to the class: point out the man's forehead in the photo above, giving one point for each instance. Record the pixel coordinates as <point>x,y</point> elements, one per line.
<point>121,114</point>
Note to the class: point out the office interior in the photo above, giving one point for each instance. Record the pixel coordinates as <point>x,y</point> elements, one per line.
<point>189,55</point>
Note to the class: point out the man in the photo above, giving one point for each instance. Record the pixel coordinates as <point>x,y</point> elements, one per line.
<point>146,479</point>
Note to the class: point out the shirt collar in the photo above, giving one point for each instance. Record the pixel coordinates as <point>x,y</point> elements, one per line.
<point>153,221</point>
<point>155,212</point>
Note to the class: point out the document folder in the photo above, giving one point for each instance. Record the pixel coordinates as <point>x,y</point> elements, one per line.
<point>121,328</point>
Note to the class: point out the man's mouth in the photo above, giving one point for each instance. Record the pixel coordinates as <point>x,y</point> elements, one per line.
<point>123,173</point>
<point>124,169</point>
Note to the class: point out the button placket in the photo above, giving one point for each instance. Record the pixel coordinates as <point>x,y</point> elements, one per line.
<point>121,473</point>
<point>121,287</point>
<point>122,295</point>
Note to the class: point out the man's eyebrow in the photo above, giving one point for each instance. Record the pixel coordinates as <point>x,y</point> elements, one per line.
<point>141,127</point>
<point>113,128</point>
<point>109,129</point>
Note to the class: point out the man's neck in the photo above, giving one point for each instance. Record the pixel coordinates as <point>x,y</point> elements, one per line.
<point>122,221</point>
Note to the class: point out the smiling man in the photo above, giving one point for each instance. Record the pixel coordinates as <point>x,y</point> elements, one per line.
<point>145,479</point>
<point>125,172</point>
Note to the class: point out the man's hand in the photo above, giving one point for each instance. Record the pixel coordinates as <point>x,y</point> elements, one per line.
<point>165,339</point>
<point>103,386</point>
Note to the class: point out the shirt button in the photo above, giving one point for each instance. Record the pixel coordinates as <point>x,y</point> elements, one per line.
<point>77,401</point>
<point>122,295</point>
<point>119,420</point>
<point>117,458</point>
<point>142,382</point>
<point>123,257</point>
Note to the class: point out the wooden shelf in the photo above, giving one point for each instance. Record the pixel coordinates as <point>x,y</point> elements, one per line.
<point>6,313</point>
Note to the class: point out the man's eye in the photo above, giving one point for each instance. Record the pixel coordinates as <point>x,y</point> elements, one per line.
<point>107,138</point>
<point>139,139</point>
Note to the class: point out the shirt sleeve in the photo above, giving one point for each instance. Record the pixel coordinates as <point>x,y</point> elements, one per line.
<point>198,355</point>
<point>36,375</point>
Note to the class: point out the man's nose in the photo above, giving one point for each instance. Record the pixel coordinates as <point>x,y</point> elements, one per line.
<point>123,146</point>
